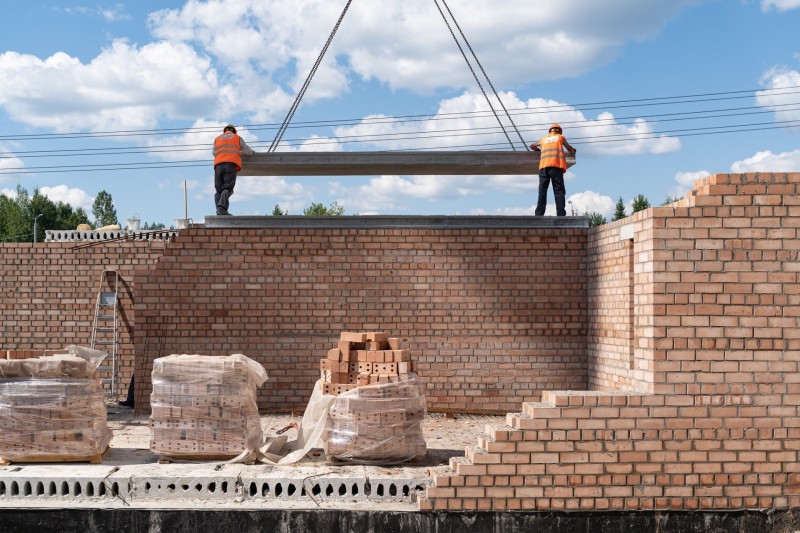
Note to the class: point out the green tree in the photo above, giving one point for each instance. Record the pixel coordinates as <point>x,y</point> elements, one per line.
<point>671,199</point>
<point>277,212</point>
<point>619,211</point>
<point>596,219</point>
<point>153,226</point>
<point>320,210</point>
<point>640,203</point>
<point>16,224</point>
<point>17,216</point>
<point>103,210</point>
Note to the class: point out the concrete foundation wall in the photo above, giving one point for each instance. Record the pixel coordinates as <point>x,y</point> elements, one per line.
<point>492,316</point>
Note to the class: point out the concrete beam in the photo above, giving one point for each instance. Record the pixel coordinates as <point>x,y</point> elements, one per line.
<point>398,163</point>
<point>394,222</point>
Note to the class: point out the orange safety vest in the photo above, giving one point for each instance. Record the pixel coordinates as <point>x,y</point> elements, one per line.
<point>228,149</point>
<point>552,147</point>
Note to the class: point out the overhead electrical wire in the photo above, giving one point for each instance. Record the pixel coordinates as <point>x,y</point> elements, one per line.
<point>427,135</point>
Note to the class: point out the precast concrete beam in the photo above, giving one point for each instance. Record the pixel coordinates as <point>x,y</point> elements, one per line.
<point>397,163</point>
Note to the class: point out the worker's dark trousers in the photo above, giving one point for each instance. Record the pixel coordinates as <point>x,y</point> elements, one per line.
<point>556,175</point>
<point>224,182</point>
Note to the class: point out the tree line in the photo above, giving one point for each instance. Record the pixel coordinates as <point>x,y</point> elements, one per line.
<point>640,203</point>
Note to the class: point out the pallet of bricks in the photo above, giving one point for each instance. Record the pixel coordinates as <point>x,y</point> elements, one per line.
<point>53,408</point>
<point>376,417</point>
<point>204,408</point>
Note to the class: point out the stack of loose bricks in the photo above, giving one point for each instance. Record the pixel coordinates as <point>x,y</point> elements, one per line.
<point>377,415</point>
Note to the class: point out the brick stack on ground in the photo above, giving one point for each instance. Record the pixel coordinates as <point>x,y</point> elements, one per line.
<point>377,414</point>
<point>204,407</point>
<point>52,409</point>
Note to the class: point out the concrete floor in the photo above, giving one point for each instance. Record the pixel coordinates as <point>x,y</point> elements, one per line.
<point>132,477</point>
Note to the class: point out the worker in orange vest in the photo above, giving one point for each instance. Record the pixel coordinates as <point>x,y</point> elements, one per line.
<point>552,165</point>
<point>228,150</point>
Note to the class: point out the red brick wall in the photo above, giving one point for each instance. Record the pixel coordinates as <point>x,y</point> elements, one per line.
<point>610,298</point>
<point>493,316</point>
<point>716,341</point>
<point>48,293</point>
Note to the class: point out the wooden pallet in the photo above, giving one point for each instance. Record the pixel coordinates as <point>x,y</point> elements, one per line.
<point>94,459</point>
<point>197,458</point>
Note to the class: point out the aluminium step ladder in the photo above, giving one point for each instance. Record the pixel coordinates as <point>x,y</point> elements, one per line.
<point>104,330</point>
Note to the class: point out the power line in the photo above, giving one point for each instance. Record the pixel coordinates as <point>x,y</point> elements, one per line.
<point>610,104</point>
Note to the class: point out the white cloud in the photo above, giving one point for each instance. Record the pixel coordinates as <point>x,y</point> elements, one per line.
<point>589,202</point>
<point>464,122</point>
<point>272,189</point>
<point>766,161</point>
<point>580,203</point>
<point>9,163</point>
<point>782,102</point>
<point>110,14</point>
<point>125,87</point>
<point>392,42</point>
<point>685,182</point>
<point>72,196</point>
<point>779,5</point>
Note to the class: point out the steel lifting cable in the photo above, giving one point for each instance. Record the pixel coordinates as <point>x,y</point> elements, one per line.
<point>475,56</point>
<point>474,74</point>
<point>296,104</point>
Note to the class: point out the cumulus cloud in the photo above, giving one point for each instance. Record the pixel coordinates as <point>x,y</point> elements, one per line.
<point>685,182</point>
<point>10,165</point>
<point>465,122</point>
<point>226,58</point>
<point>780,94</point>
<point>272,189</point>
<point>125,87</point>
<point>392,42</point>
<point>779,5</point>
<point>77,198</point>
<point>766,161</point>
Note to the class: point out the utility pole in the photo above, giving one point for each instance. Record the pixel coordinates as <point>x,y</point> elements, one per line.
<point>35,220</point>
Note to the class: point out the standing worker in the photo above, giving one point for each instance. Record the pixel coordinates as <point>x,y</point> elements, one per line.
<point>552,165</point>
<point>228,150</point>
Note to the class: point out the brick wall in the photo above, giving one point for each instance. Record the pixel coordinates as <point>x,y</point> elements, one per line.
<point>493,316</point>
<point>710,420</point>
<point>48,293</point>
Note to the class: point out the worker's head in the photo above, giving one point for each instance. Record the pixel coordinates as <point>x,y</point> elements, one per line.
<point>554,128</point>
<point>229,128</point>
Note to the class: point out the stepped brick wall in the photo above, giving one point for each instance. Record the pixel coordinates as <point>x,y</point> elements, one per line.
<point>48,293</point>
<point>701,410</point>
<point>492,316</point>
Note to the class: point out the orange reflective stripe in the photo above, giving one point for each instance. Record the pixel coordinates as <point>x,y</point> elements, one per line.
<point>227,149</point>
<point>552,155</point>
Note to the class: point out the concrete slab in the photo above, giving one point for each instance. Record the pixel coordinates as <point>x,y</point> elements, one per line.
<point>461,163</point>
<point>132,478</point>
<point>395,221</point>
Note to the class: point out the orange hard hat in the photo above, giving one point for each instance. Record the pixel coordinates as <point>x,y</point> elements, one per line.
<point>555,127</point>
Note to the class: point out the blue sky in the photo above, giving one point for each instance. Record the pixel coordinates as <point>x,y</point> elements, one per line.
<point>653,94</point>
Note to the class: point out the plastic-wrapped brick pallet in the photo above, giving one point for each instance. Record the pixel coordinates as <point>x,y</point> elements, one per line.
<point>378,405</point>
<point>377,424</point>
<point>204,407</point>
<point>53,408</point>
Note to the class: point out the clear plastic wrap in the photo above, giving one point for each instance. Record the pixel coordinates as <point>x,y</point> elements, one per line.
<point>377,424</point>
<point>204,407</point>
<point>53,408</point>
